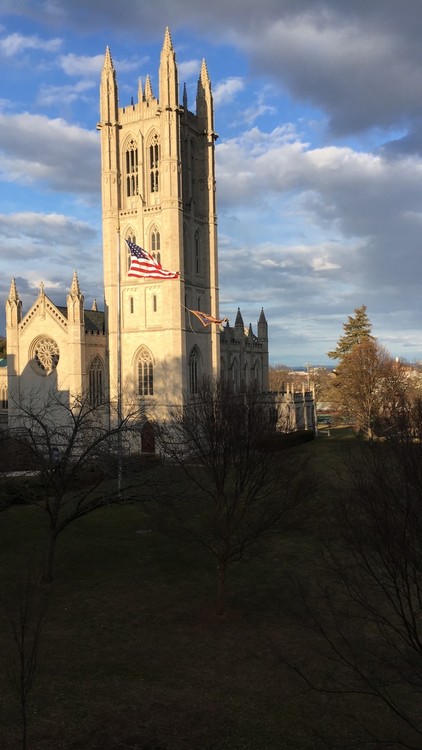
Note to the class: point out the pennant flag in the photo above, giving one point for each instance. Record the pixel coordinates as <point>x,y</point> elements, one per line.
<point>142,265</point>
<point>207,320</point>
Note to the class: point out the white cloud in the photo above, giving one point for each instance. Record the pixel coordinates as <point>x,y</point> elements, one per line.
<point>35,148</point>
<point>14,44</point>
<point>225,91</point>
<point>50,95</point>
<point>189,69</point>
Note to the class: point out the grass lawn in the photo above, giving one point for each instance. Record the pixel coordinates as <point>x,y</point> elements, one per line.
<point>133,655</point>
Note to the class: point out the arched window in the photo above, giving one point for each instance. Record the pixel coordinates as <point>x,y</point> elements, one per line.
<point>155,244</point>
<point>145,373</point>
<point>197,253</point>
<point>235,375</point>
<point>131,305</point>
<point>154,159</point>
<point>154,303</point>
<point>222,369</point>
<point>96,382</point>
<point>132,169</point>
<point>131,238</point>
<point>194,367</point>
<point>257,369</point>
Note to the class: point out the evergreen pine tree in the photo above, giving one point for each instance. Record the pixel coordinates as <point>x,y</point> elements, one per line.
<point>356,330</point>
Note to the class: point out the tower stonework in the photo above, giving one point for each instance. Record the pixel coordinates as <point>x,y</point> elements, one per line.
<point>158,190</point>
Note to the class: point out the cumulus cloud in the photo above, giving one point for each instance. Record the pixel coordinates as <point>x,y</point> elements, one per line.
<point>225,91</point>
<point>15,44</point>
<point>35,148</point>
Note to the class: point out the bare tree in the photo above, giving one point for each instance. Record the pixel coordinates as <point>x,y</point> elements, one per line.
<point>26,623</point>
<point>241,490</point>
<point>75,454</point>
<point>368,613</point>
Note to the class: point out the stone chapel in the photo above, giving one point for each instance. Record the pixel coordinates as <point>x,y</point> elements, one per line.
<point>158,191</point>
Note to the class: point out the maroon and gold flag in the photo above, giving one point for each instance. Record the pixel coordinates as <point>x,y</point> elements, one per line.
<point>207,320</point>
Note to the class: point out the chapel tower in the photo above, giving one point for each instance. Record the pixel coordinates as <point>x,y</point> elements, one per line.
<point>158,190</point>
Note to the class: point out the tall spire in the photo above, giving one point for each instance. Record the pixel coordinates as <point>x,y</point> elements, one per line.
<point>204,101</point>
<point>108,91</point>
<point>169,85</point>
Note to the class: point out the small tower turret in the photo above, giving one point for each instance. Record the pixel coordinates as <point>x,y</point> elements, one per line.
<point>75,302</point>
<point>148,93</point>
<point>262,327</point>
<point>13,306</point>
<point>239,325</point>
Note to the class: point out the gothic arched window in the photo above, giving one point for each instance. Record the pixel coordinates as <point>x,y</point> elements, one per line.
<point>194,371</point>
<point>96,382</point>
<point>155,244</point>
<point>145,373</point>
<point>131,238</point>
<point>131,168</point>
<point>154,158</point>
<point>3,400</point>
<point>197,253</point>
<point>235,375</point>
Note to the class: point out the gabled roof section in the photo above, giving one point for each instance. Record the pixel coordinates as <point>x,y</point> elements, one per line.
<point>94,321</point>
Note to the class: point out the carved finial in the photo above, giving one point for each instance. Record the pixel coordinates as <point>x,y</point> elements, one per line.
<point>108,62</point>
<point>204,77</point>
<point>13,294</point>
<point>42,285</point>
<point>168,44</point>
<point>74,287</point>
<point>139,90</point>
<point>148,89</point>
<point>94,306</point>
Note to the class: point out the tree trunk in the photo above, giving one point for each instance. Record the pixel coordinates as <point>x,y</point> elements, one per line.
<point>221,588</point>
<point>49,562</point>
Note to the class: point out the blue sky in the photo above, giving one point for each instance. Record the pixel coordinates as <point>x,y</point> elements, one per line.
<point>319,157</point>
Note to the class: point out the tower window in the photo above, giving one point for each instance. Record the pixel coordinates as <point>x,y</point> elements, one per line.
<point>155,244</point>
<point>154,156</point>
<point>96,382</point>
<point>154,303</point>
<point>197,254</point>
<point>145,374</point>
<point>132,169</point>
<point>193,371</point>
<point>131,305</point>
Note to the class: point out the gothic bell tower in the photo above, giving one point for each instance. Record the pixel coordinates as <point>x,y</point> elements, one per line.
<point>158,190</point>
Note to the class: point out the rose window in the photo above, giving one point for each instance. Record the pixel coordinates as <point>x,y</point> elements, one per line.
<point>46,355</point>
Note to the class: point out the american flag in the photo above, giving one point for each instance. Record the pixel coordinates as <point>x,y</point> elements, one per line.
<point>143,264</point>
